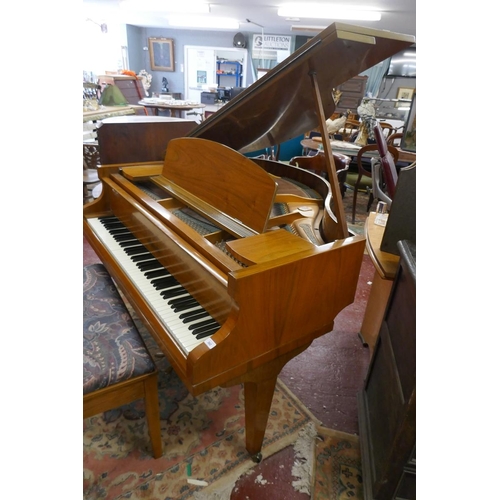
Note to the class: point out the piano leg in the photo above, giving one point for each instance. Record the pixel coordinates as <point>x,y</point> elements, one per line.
<point>259,384</point>
<point>258,400</point>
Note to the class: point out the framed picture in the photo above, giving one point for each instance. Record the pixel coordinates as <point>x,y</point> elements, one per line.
<point>161,54</point>
<point>404,93</point>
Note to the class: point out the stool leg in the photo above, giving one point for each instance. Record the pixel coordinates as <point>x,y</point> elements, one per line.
<point>153,414</point>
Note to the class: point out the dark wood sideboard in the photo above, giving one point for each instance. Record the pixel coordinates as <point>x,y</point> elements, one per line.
<point>387,403</point>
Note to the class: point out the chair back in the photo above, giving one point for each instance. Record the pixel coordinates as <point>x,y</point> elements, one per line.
<point>388,160</point>
<point>317,164</point>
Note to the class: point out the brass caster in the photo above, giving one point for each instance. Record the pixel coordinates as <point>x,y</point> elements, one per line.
<point>257,458</point>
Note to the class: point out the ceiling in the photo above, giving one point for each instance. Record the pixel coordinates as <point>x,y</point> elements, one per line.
<point>397,15</point>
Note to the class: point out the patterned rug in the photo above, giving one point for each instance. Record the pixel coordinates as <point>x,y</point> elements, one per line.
<point>202,436</point>
<point>336,472</point>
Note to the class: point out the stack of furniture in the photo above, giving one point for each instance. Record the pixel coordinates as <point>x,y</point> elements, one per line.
<point>352,92</point>
<point>131,88</point>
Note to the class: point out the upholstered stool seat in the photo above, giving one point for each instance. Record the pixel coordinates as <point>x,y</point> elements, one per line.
<point>117,368</point>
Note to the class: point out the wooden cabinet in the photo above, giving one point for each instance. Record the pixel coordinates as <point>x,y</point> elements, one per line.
<point>387,404</point>
<point>352,92</point>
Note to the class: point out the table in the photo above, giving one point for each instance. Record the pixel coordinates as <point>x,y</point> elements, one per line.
<point>386,265</point>
<point>108,111</point>
<point>350,149</point>
<point>175,107</point>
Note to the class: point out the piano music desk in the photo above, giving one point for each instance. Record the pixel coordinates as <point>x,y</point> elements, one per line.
<point>386,265</point>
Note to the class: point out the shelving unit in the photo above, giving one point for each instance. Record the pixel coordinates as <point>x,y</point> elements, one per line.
<point>229,74</point>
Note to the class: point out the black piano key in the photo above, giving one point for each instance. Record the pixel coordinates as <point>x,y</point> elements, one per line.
<point>197,314</point>
<point>124,237</point>
<point>179,301</point>
<point>130,243</point>
<point>162,283</point>
<point>211,328</point>
<point>149,265</point>
<point>173,292</point>
<point>135,250</point>
<point>109,219</point>
<point>113,224</point>
<point>142,257</point>
<point>201,325</point>
<point>207,333</point>
<point>190,314</point>
<point>157,273</point>
<point>183,306</point>
<point>119,231</point>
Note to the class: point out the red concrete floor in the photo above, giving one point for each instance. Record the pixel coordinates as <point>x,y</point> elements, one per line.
<point>326,378</point>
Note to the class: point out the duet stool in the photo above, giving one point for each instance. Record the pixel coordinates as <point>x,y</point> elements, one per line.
<point>117,368</point>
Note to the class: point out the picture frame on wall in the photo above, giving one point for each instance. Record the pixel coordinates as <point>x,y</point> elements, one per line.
<point>161,54</point>
<point>404,93</point>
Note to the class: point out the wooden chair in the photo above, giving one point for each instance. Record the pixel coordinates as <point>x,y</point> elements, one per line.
<point>364,170</point>
<point>117,368</point>
<point>351,128</point>
<point>394,139</point>
<point>387,129</point>
<point>317,164</point>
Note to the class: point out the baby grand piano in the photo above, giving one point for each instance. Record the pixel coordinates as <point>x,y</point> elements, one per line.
<point>235,265</point>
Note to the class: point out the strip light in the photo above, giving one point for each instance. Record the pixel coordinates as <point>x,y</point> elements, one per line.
<point>300,27</point>
<point>183,7</point>
<point>204,22</point>
<point>324,11</point>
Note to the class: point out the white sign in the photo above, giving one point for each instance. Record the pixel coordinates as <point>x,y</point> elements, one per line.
<point>271,42</point>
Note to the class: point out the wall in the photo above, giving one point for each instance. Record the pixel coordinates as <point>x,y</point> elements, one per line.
<point>139,58</point>
<point>388,90</point>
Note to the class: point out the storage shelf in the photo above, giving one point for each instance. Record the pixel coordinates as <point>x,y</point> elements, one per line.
<point>237,74</point>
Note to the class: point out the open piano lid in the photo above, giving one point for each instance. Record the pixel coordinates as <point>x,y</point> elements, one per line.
<point>281,105</point>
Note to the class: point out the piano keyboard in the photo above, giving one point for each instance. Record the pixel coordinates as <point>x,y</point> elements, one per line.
<point>182,315</point>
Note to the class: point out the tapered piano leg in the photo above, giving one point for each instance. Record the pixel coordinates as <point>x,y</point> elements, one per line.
<point>259,385</point>
<point>258,399</point>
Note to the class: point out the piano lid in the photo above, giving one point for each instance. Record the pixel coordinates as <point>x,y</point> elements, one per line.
<point>281,105</point>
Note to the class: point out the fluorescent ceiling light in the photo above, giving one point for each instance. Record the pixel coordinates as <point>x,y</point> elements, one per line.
<point>322,11</point>
<point>300,27</point>
<point>183,7</point>
<point>204,22</point>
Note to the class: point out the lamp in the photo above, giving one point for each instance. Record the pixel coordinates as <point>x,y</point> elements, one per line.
<point>324,11</point>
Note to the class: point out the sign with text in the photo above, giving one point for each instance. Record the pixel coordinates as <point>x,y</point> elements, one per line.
<point>272,42</point>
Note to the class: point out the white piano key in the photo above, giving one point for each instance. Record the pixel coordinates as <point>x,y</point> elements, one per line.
<point>174,324</point>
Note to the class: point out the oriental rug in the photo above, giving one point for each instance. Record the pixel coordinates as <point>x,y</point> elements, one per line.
<point>336,471</point>
<point>203,439</point>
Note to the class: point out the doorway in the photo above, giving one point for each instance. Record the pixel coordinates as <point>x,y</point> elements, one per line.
<point>200,73</point>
